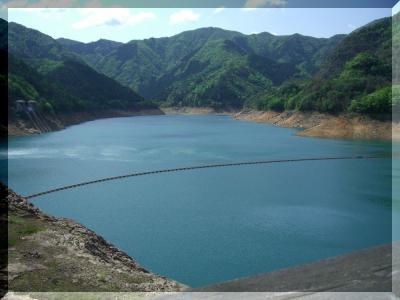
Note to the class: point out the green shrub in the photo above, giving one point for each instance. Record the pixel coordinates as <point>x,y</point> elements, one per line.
<point>47,107</point>
<point>378,102</point>
<point>276,104</point>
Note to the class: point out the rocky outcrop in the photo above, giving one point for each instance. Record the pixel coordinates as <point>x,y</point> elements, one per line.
<point>315,124</point>
<point>20,127</point>
<point>51,254</point>
<point>187,110</point>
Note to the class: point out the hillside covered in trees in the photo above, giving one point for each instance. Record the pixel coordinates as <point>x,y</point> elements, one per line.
<point>356,77</point>
<point>207,67</point>
<point>40,69</point>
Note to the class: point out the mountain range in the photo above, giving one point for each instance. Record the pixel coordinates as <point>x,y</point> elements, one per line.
<point>206,67</point>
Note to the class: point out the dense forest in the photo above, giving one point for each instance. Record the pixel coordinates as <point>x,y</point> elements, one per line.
<point>356,77</point>
<point>207,67</point>
<point>58,80</point>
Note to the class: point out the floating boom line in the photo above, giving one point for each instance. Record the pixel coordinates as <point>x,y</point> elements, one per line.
<point>209,166</point>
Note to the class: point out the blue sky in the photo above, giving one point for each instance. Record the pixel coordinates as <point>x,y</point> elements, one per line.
<point>124,24</point>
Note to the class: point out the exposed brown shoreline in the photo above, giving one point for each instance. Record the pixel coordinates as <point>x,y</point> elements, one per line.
<point>186,110</point>
<point>321,125</point>
<point>314,124</point>
<point>22,128</point>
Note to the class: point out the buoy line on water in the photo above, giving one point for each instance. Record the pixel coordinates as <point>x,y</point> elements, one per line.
<point>209,166</point>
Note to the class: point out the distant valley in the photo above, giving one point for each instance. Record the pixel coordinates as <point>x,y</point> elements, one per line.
<point>207,67</point>
<point>195,194</point>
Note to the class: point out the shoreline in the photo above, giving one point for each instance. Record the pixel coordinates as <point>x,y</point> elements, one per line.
<point>186,110</point>
<point>348,272</point>
<point>44,247</point>
<point>47,254</point>
<point>320,125</point>
<point>62,121</point>
<point>312,124</point>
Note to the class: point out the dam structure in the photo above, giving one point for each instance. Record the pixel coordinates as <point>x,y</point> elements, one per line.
<point>29,109</point>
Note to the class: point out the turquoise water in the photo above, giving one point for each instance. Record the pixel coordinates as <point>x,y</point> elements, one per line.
<point>205,226</point>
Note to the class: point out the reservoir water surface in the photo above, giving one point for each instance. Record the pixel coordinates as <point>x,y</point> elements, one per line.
<point>205,226</point>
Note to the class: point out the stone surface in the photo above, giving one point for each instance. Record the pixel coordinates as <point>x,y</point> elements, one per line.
<point>51,254</point>
<point>315,124</point>
<point>369,270</point>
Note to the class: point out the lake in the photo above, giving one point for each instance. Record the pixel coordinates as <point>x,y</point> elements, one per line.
<point>205,226</point>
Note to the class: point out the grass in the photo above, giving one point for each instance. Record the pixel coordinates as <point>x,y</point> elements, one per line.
<point>44,264</point>
<point>19,226</point>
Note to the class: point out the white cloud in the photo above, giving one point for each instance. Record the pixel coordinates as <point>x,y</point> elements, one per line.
<point>252,4</point>
<point>183,16</point>
<point>94,17</point>
<point>219,9</point>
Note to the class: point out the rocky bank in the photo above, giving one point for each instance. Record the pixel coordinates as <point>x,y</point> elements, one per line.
<point>50,254</point>
<point>186,110</point>
<point>313,124</point>
<point>316,124</point>
<point>20,127</point>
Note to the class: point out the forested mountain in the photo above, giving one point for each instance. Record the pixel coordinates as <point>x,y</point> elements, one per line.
<point>26,43</point>
<point>207,66</point>
<point>358,75</point>
<point>92,52</point>
<point>60,81</point>
<point>66,87</point>
<point>355,77</point>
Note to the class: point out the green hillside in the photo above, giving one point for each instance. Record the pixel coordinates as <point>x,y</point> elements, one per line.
<point>207,66</point>
<point>356,77</point>
<point>43,70</point>
<point>27,43</point>
<point>69,86</point>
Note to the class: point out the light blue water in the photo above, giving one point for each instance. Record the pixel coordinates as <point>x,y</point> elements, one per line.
<point>205,226</point>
